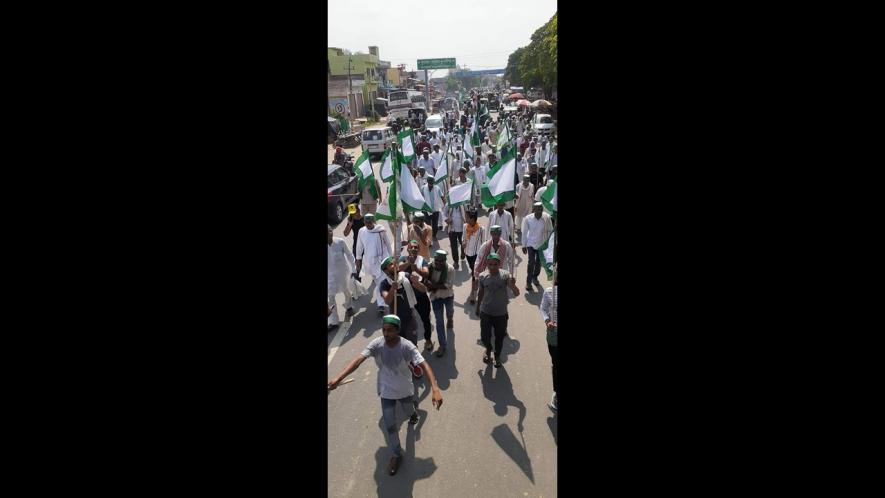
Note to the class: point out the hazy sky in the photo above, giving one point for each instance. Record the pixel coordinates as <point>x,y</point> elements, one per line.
<point>480,34</point>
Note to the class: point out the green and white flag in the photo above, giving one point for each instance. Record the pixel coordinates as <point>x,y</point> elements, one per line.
<point>502,185</point>
<point>410,193</point>
<point>548,198</point>
<point>468,150</point>
<point>365,173</point>
<point>504,138</point>
<point>387,167</point>
<point>407,144</point>
<point>474,133</point>
<point>545,254</point>
<point>442,170</point>
<point>387,210</point>
<point>460,194</point>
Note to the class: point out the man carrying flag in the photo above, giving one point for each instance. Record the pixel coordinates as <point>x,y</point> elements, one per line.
<point>370,188</point>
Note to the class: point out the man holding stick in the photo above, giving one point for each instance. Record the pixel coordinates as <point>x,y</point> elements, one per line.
<point>392,355</point>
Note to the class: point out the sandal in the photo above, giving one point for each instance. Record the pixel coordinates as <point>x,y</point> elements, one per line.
<point>485,357</point>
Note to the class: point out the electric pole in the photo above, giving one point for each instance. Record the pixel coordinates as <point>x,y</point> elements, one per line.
<point>350,90</point>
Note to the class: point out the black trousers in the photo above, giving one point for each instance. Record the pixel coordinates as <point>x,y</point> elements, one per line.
<point>435,219</point>
<point>488,322</point>
<point>552,350</point>
<point>455,241</point>
<point>471,260</point>
<point>422,304</point>
<point>534,264</point>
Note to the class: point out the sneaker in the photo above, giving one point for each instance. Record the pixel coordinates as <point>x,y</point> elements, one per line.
<point>414,418</point>
<point>416,370</point>
<point>552,404</point>
<point>440,352</point>
<point>349,313</point>
<point>528,286</point>
<point>428,345</point>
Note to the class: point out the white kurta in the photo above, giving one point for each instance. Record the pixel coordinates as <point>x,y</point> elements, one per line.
<point>372,247</point>
<point>340,265</point>
<point>524,204</point>
<point>505,221</point>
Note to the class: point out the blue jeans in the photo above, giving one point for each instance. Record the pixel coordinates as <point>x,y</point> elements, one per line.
<point>391,428</point>
<point>449,303</point>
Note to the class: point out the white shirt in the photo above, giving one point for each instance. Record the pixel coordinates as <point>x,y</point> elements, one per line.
<point>539,193</point>
<point>427,164</point>
<point>372,248</point>
<point>505,221</point>
<point>394,376</point>
<point>339,264</point>
<point>486,150</point>
<point>536,231</point>
<point>437,158</point>
<point>433,199</point>
<point>457,220</point>
<point>521,167</point>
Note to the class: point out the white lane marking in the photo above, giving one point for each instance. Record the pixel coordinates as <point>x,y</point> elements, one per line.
<point>339,336</point>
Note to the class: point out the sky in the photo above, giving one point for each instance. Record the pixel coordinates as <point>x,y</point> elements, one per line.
<point>479,34</point>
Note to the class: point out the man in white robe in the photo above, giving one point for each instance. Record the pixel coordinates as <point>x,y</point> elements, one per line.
<point>340,267</point>
<point>525,194</point>
<point>372,246</point>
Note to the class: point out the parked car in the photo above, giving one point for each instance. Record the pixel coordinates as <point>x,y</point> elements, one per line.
<point>343,190</point>
<point>542,124</point>
<point>375,138</point>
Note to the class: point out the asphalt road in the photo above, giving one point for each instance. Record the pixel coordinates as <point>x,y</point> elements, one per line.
<point>493,436</point>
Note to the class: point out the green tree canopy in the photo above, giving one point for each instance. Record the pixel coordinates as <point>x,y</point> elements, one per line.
<point>535,65</point>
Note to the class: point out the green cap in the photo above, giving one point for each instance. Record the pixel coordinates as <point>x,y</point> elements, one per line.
<point>413,241</point>
<point>440,254</point>
<point>386,262</point>
<point>391,319</point>
<point>495,228</point>
<point>493,256</point>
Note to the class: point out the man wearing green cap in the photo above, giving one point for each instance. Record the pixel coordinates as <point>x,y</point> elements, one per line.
<point>491,306</point>
<point>415,264</point>
<point>536,230</point>
<point>441,284</point>
<point>372,246</point>
<point>393,355</point>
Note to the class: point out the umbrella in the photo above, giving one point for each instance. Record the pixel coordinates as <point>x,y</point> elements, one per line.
<point>523,102</point>
<point>516,96</point>
<point>541,102</point>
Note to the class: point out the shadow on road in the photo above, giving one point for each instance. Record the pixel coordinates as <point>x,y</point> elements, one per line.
<point>444,368</point>
<point>508,442</point>
<point>533,297</point>
<point>500,391</point>
<point>551,422</point>
<point>411,469</point>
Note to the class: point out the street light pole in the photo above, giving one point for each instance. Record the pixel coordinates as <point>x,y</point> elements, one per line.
<point>350,90</point>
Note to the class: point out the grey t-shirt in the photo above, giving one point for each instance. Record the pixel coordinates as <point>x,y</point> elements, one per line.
<point>394,376</point>
<point>494,298</point>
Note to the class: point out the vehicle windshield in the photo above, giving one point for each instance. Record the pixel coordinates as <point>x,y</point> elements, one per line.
<point>373,135</point>
<point>396,96</point>
<point>433,123</point>
<point>418,98</point>
<point>546,120</point>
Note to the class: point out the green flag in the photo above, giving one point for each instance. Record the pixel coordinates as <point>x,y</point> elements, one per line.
<point>548,198</point>
<point>387,210</point>
<point>407,144</point>
<point>365,173</point>
<point>502,186</point>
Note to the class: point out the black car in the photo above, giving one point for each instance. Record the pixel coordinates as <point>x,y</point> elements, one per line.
<point>343,190</point>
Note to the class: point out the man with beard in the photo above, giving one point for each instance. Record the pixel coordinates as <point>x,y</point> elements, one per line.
<point>372,246</point>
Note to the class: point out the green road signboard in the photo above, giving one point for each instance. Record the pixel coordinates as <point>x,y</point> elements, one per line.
<point>436,63</point>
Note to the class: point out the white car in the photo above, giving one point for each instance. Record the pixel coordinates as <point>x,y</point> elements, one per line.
<point>542,124</point>
<point>434,123</point>
<point>375,138</point>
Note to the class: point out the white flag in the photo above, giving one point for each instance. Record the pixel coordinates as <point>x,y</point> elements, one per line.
<point>411,193</point>
<point>387,166</point>
<point>443,169</point>
<point>502,181</point>
<point>460,194</point>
